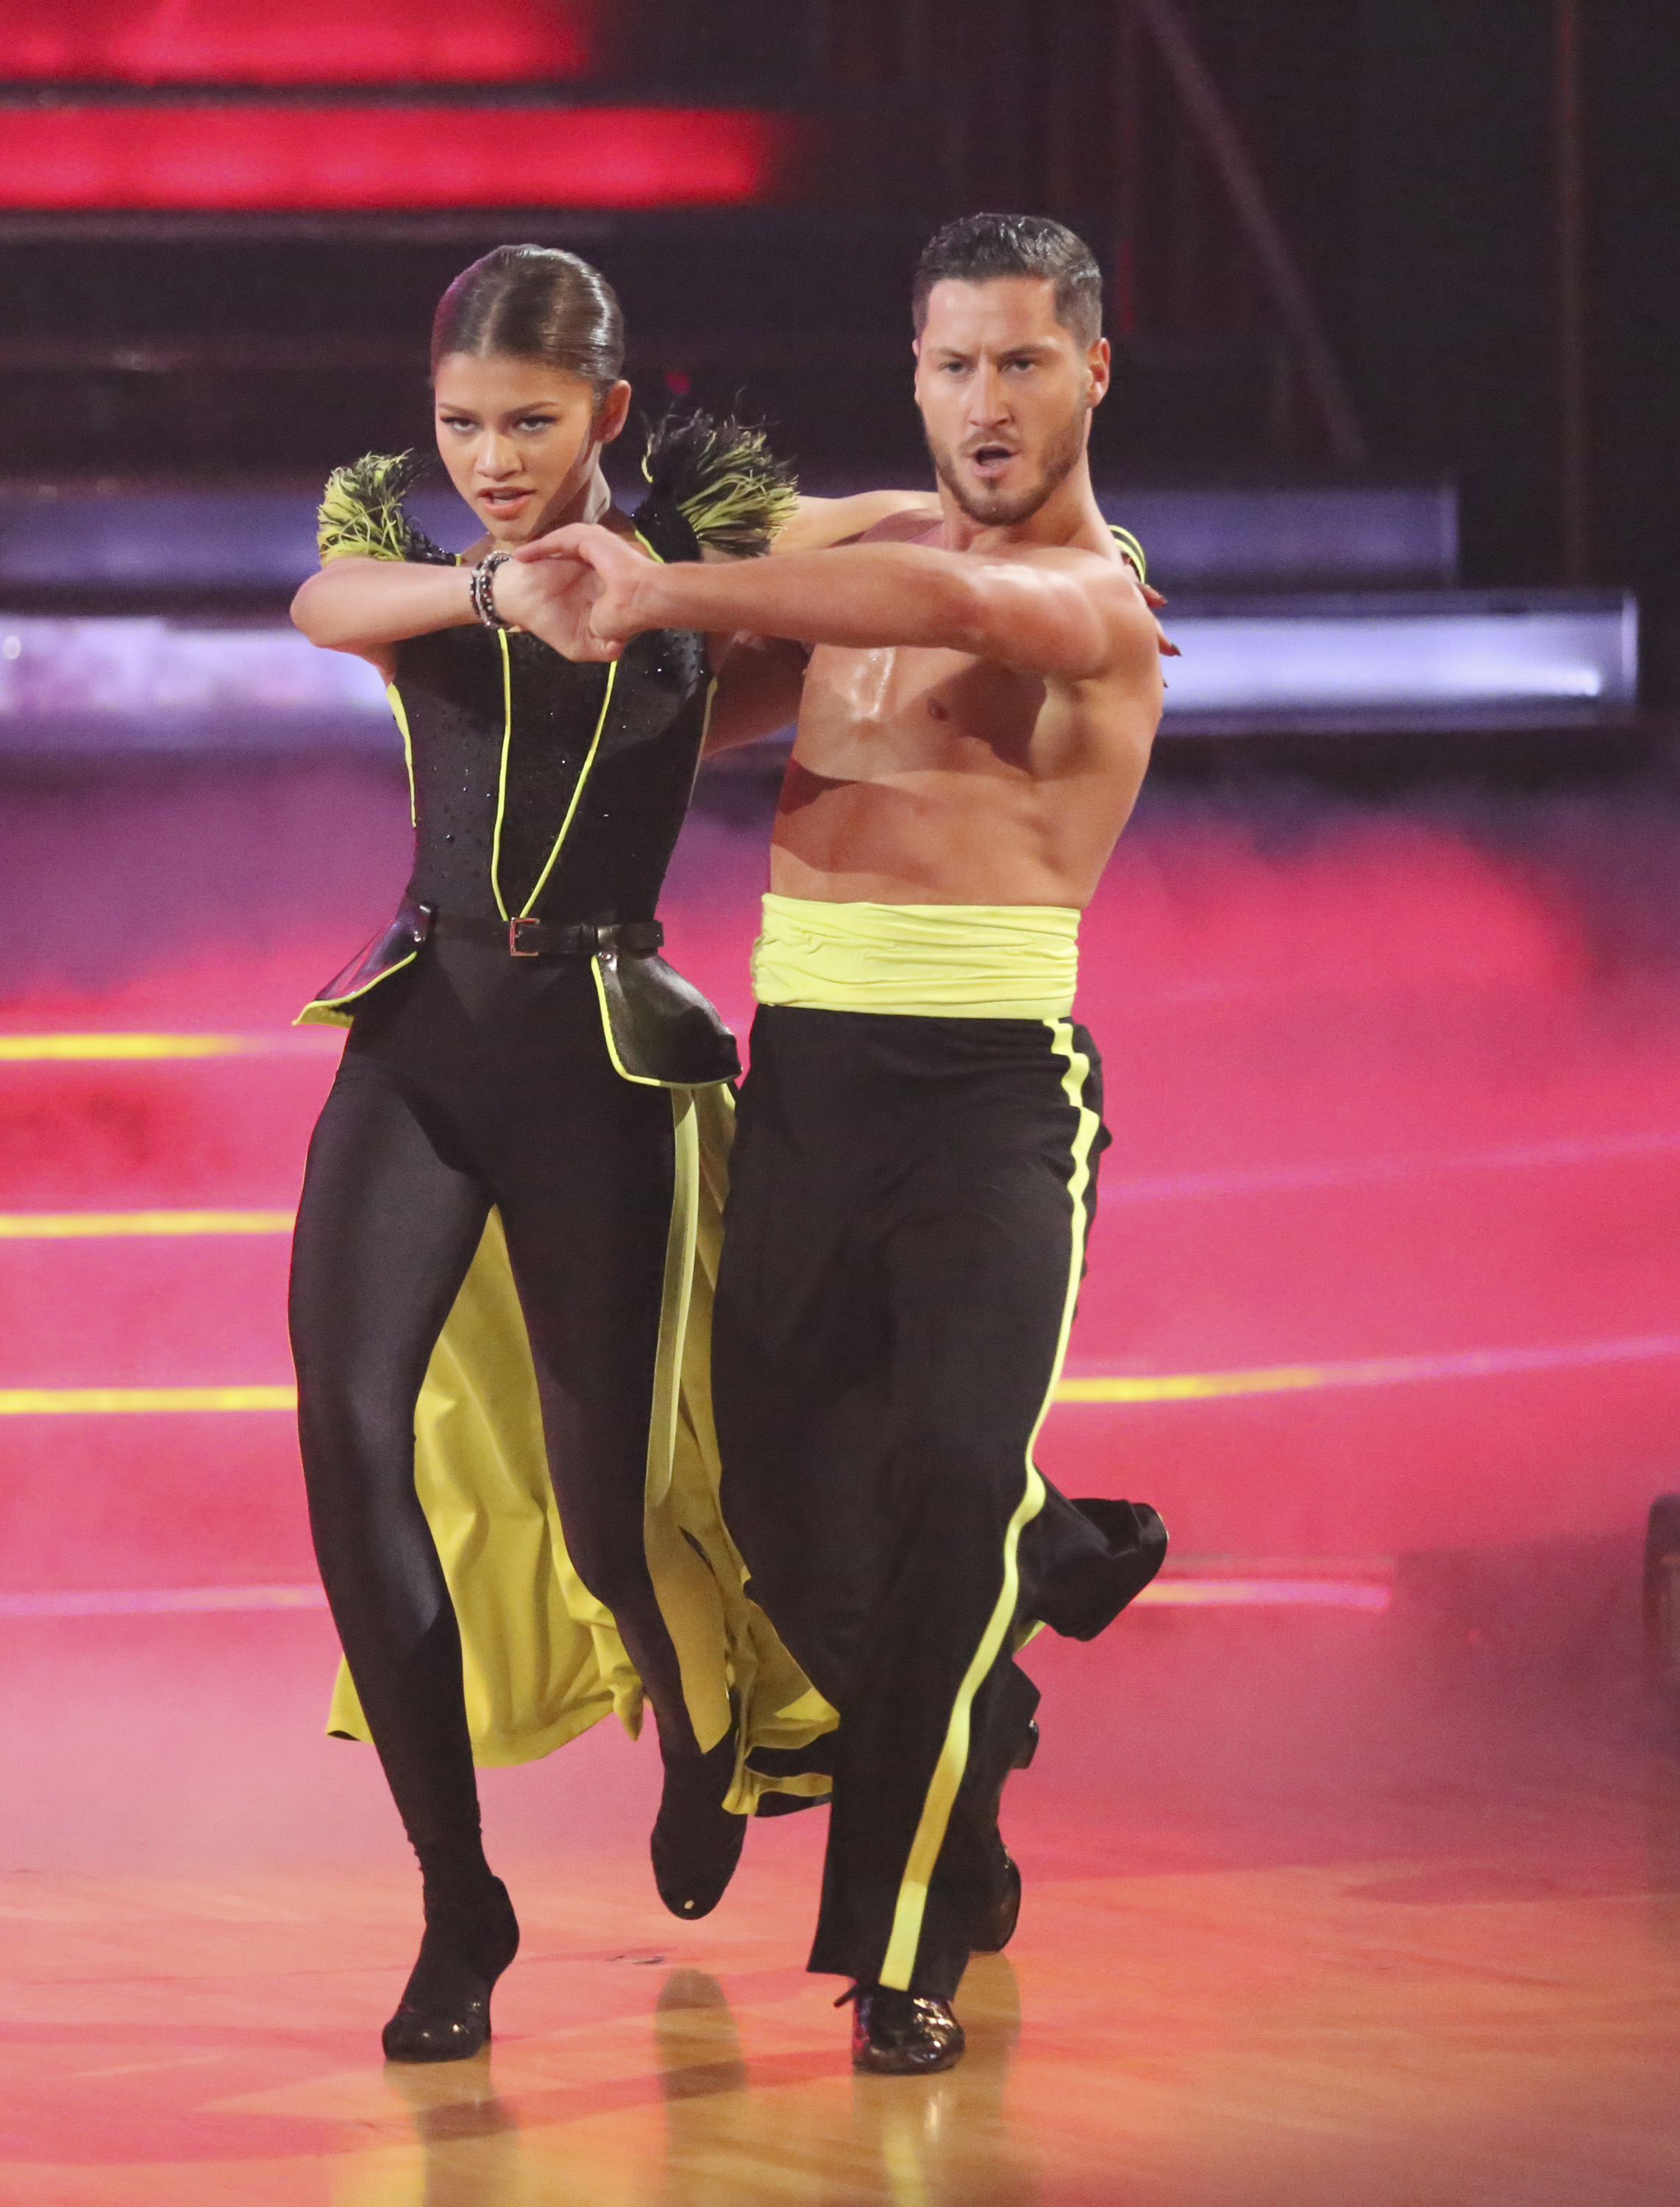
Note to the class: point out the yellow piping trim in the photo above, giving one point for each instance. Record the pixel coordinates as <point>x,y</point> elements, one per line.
<point>583,774</point>
<point>905,1936</point>
<point>394,697</point>
<point>501,784</point>
<point>577,794</point>
<point>705,730</point>
<point>675,1302</point>
<point>326,1009</point>
<point>640,1079</point>
<point>54,1401</point>
<point>90,1225</point>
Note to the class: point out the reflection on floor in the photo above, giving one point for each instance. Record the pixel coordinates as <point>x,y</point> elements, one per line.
<point>1349,1929</point>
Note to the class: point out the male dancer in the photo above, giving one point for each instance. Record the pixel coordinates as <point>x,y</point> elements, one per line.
<point>914,1170</point>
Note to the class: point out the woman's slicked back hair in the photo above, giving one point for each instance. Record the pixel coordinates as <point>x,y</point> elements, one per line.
<point>535,303</point>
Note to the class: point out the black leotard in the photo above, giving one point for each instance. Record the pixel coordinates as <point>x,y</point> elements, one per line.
<point>475,1079</point>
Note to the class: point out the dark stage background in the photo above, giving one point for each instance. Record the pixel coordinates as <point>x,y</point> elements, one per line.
<point>1383,1305</point>
<point>1389,986</point>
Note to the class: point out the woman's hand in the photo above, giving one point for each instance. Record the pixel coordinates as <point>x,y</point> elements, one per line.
<point>551,601</point>
<point>579,589</point>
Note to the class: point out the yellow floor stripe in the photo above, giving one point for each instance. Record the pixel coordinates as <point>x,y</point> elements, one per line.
<point>62,1402</point>
<point>1372,1371</point>
<point>97,1225</point>
<point>1167,1387</point>
<point>1191,1387</point>
<point>31,1048</point>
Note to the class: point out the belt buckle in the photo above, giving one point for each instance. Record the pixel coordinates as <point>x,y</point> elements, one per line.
<point>513,928</point>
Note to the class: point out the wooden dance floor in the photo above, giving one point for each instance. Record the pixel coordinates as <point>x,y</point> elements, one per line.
<point>1364,1894</point>
<point>1296,1941</point>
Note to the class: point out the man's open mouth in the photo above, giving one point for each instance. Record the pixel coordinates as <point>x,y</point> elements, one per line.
<point>991,459</point>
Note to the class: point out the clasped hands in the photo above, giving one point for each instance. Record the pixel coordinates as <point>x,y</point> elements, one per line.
<point>576,588</point>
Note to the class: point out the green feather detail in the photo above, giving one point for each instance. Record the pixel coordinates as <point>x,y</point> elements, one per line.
<point>1134,551</point>
<point>724,480</point>
<point>363,515</point>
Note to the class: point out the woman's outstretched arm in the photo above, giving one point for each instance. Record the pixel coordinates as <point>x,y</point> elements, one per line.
<point>367,607</point>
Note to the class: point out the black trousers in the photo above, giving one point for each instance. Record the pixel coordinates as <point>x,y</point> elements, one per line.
<point>470,1080</point>
<point>908,1202</point>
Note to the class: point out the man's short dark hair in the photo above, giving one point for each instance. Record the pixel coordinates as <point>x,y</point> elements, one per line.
<point>978,247</point>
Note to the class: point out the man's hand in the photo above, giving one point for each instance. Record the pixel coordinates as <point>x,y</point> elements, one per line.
<point>577,590</point>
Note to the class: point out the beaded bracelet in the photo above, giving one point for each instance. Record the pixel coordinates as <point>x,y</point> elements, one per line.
<point>482,589</point>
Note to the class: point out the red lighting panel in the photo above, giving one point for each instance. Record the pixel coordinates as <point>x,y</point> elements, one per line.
<point>344,159</point>
<point>298,41</point>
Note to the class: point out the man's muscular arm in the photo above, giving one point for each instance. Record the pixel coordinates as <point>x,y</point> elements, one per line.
<point>760,678</point>
<point>1064,615</point>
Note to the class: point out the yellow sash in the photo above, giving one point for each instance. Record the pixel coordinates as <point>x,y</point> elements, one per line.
<point>968,961</point>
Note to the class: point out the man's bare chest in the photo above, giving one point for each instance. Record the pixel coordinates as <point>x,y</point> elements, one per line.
<point>868,712</point>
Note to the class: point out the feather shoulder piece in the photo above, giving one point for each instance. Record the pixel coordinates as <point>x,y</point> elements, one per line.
<point>362,513</point>
<point>721,479</point>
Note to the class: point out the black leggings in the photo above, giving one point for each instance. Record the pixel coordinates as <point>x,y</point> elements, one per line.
<point>469,1081</point>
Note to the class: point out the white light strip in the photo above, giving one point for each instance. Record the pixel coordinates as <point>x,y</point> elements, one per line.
<point>1412,661</point>
<point>151,683</point>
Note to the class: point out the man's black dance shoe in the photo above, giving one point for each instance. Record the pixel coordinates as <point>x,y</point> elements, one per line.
<point>697,1842</point>
<point>897,2034</point>
<point>444,2014</point>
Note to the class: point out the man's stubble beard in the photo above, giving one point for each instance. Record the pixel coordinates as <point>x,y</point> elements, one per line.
<point>1062,455</point>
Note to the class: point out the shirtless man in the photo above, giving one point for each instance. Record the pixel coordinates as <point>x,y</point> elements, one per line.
<point>978,687</point>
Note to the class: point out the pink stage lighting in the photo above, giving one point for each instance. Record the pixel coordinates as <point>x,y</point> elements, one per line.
<point>300,42</point>
<point>263,159</point>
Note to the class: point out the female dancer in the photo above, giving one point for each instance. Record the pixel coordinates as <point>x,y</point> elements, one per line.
<point>500,1280</point>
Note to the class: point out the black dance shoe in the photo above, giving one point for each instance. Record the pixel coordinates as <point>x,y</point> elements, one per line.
<point>994,1924</point>
<point>444,2014</point>
<point>896,2034</point>
<point>995,1921</point>
<point>697,1842</point>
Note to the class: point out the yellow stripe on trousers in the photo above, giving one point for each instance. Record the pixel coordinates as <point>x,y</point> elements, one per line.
<point>907,1932</point>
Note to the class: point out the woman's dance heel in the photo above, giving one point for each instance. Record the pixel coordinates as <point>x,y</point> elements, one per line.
<point>697,1841</point>
<point>444,2014</point>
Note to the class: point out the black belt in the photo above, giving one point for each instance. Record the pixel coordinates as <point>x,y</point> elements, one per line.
<point>553,938</point>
